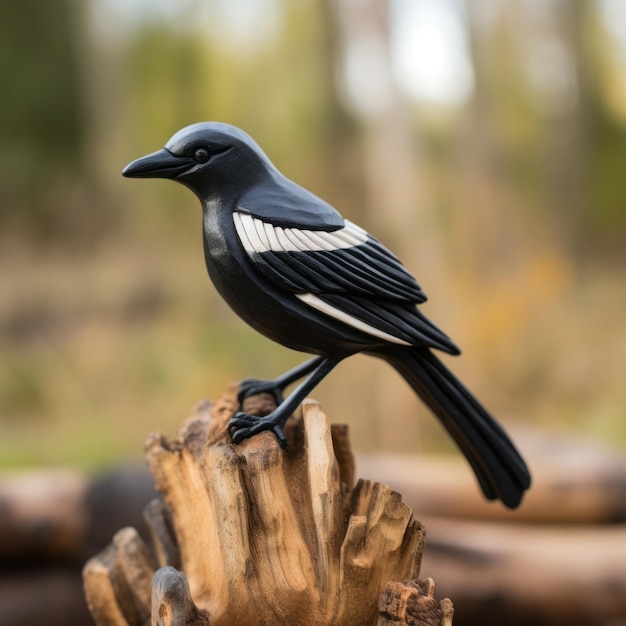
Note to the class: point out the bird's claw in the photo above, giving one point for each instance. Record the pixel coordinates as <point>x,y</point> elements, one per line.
<point>243,426</point>
<point>252,386</point>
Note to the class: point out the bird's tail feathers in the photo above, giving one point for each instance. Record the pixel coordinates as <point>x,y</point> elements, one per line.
<point>499,468</point>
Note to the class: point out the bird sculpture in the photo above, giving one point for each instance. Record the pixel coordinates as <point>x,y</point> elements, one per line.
<point>298,272</point>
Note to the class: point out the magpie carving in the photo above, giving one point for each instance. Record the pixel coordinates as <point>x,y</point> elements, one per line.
<point>295,270</point>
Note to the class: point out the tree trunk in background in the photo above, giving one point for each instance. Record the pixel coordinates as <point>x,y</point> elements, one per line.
<point>396,209</point>
<point>481,232</point>
<point>568,156</point>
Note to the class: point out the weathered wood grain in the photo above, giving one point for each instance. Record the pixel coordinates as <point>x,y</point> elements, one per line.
<point>253,534</point>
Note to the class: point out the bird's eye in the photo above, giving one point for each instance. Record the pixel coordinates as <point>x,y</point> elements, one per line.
<point>201,155</point>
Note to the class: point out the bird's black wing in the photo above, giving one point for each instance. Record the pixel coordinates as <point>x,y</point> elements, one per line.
<point>344,273</point>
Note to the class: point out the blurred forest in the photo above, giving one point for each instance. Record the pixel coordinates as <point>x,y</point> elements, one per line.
<point>484,141</point>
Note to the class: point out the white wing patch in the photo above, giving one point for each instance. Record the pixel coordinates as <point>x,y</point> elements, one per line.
<point>342,316</point>
<point>257,236</point>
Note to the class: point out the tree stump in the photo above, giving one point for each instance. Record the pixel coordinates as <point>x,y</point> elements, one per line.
<point>253,534</point>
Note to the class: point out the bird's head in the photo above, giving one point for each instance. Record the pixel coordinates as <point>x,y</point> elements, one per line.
<point>208,157</point>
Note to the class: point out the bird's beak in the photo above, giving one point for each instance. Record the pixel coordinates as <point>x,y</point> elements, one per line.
<point>159,164</point>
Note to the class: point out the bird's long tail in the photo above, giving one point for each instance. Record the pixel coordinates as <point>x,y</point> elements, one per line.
<point>501,471</point>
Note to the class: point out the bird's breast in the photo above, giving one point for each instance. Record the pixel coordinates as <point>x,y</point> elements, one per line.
<point>238,281</point>
<point>224,260</point>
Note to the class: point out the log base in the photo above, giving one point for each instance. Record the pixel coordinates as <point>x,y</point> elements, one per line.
<point>251,534</point>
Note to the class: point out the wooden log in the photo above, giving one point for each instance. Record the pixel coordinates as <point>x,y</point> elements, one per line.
<point>263,535</point>
<point>519,574</point>
<point>61,515</point>
<point>43,515</point>
<point>52,596</point>
<point>573,483</point>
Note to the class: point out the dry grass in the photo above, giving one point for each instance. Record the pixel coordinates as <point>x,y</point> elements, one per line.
<point>98,352</point>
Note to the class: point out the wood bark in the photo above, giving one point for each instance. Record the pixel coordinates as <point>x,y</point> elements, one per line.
<point>252,534</point>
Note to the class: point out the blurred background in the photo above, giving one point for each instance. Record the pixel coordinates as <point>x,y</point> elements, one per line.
<point>483,141</point>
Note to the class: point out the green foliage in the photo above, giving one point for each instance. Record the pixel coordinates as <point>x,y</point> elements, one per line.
<point>605,216</point>
<point>41,115</point>
<point>23,388</point>
<point>171,81</point>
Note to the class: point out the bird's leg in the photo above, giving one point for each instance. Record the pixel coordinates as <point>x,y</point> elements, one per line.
<point>276,386</point>
<point>243,425</point>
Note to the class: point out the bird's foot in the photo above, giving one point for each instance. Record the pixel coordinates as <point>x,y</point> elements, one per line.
<point>253,386</point>
<point>243,426</point>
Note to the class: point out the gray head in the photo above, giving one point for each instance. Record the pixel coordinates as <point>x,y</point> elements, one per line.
<point>208,157</point>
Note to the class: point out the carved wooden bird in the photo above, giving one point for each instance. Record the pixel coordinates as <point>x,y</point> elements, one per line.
<point>298,272</point>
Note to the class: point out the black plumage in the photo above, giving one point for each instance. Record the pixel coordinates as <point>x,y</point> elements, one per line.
<point>295,270</point>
